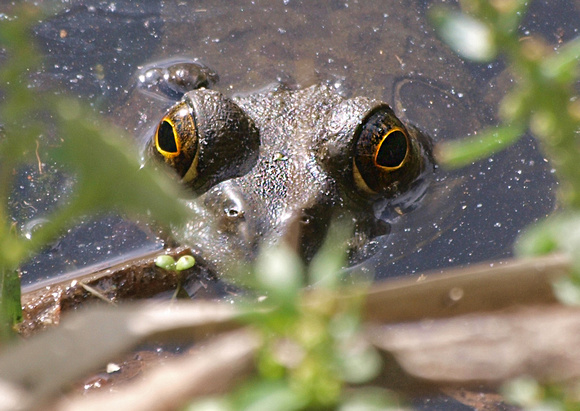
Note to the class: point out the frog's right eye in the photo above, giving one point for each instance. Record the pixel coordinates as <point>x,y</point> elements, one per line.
<point>206,138</point>
<point>382,147</point>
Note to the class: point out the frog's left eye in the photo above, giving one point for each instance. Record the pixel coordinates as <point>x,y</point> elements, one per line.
<point>166,139</point>
<point>382,148</point>
<point>176,140</point>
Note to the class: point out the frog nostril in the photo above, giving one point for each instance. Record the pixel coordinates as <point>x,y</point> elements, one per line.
<point>234,213</point>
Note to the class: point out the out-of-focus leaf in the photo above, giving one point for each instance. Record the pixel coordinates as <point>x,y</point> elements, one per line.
<point>361,365</point>
<point>564,64</point>
<point>466,35</point>
<point>567,291</point>
<point>369,399</point>
<point>279,271</point>
<point>108,171</point>
<point>524,391</point>
<point>268,395</point>
<point>210,404</point>
<point>10,308</point>
<point>509,14</point>
<point>458,153</point>
<point>324,269</point>
<point>558,232</point>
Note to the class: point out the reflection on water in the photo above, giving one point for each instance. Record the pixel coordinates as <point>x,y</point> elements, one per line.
<point>384,50</point>
<point>88,247</point>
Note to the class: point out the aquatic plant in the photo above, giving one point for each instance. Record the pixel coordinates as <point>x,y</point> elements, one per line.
<point>313,354</point>
<point>543,99</point>
<point>544,102</point>
<point>94,152</point>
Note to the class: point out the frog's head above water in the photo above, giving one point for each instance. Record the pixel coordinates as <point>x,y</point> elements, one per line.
<point>279,164</point>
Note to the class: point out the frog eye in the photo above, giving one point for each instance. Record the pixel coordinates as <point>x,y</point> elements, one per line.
<point>382,148</point>
<point>392,150</point>
<point>206,138</point>
<point>166,139</point>
<point>176,141</point>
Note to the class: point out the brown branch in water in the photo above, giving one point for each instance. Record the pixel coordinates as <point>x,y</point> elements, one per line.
<point>481,324</point>
<point>489,349</point>
<point>479,288</point>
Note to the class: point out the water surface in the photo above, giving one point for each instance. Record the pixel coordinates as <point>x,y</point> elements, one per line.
<point>385,50</point>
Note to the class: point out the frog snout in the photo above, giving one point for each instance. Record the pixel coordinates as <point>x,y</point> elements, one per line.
<point>233,217</point>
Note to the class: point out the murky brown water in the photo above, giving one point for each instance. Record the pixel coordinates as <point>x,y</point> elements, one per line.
<point>385,50</point>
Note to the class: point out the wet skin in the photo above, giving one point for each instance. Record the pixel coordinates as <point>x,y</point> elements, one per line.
<point>278,165</point>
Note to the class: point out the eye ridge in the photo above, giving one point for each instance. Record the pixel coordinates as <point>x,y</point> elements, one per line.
<point>389,155</point>
<point>167,144</point>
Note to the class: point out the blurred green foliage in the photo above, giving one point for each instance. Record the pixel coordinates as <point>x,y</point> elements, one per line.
<point>313,354</point>
<point>529,395</point>
<point>544,101</point>
<point>92,150</point>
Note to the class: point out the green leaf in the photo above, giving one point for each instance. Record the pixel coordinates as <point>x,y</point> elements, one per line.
<point>510,15</point>
<point>279,271</point>
<point>563,65</point>
<point>458,153</point>
<point>108,170</point>
<point>166,262</point>
<point>567,291</point>
<point>210,404</point>
<point>369,399</point>
<point>360,365</point>
<point>523,391</point>
<point>557,232</point>
<point>268,395</point>
<point>324,269</point>
<point>185,262</point>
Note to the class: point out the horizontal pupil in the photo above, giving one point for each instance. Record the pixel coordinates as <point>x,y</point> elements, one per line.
<point>393,150</point>
<point>166,138</point>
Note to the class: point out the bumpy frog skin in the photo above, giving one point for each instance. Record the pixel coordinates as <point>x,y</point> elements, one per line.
<point>277,165</point>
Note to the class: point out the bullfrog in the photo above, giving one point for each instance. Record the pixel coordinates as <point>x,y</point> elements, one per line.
<point>278,164</point>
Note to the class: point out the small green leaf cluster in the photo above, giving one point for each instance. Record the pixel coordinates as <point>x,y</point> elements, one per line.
<point>313,354</point>
<point>167,262</point>
<point>543,98</point>
<point>543,101</point>
<point>107,169</point>
<point>558,233</point>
